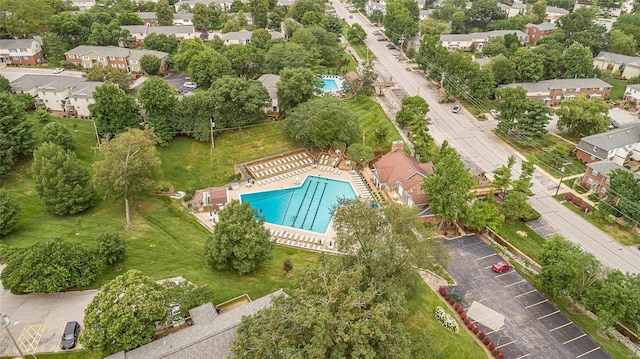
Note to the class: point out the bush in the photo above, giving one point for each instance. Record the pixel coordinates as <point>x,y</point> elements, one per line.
<point>496,353</point>
<point>491,346</point>
<point>442,291</point>
<point>585,208</point>
<point>466,321</point>
<point>476,330</point>
<point>10,211</point>
<point>486,341</point>
<point>452,301</point>
<point>456,306</point>
<point>481,336</point>
<point>530,214</point>
<point>463,316</point>
<point>447,296</point>
<point>472,327</point>
<point>576,201</point>
<point>111,248</point>
<point>460,310</point>
<point>446,320</point>
<point>567,197</point>
<point>500,356</point>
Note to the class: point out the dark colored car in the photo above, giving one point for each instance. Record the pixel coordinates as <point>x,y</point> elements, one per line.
<point>501,267</point>
<point>391,46</point>
<point>70,335</point>
<point>614,124</point>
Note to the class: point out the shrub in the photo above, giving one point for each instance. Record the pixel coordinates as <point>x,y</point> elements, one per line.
<point>452,301</point>
<point>10,211</point>
<point>463,316</point>
<point>496,353</point>
<point>447,296</point>
<point>466,321</point>
<point>446,320</point>
<point>460,310</point>
<point>481,335</point>
<point>456,306</point>
<point>585,208</point>
<point>442,291</point>
<point>470,326</point>
<point>500,356</point>
<point>476,330</point>
<point>486,341</point>
<point>491,346</point>
<point>576,201</point>
<point>567,197</point>
<point>111,248</point>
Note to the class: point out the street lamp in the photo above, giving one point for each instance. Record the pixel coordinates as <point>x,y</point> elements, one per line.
<point>6,322</point>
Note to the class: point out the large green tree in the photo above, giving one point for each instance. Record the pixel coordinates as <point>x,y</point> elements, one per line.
<point>484,214</point>
<point>57,133</point>
<point>107,73</point>
<point>206,16</point>
<point>114,111</point>
<point>238,102</point>
<point>187,50</point>
<point>159,101</point>
<point>22,18</point>
<point>322,122</point>
<point>150,64</point>
<point>62,182</point>
<point>16,133</point>
<point>502,175</point>
<point>448,190</point>
<point>614,298</point>
<point>128,168</point>
<point>106,34</point>
<point>528,65</point>
<point>260,12</point>
<point>207,66</point>
<point>530,126</point>
<point>622,43</point>
<point>481,13</point>
<point>584,117</point>
<point>578,61</point>
<point>630,25</point>
<point>246,60</point>
<point>193,115</point>
<point>624,191</point>
<point>10,210</point>
<point>123,315</point>
<point>161,42</point>
<point>414,108</point>
<point>285,54</point>
<point>511,107</point>
<point>5,85</point>
<point>503,69</point>
<point>296,85</point>
<point>164,13</point>
<point>398,22</point>
<point>240,241</point>
<point>50,266</point>
<point>111,248</point>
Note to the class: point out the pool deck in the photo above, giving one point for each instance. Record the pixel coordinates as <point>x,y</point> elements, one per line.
<point>295,237</point>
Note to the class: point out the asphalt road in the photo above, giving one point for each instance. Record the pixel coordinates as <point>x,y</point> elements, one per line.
<point>477,144</point>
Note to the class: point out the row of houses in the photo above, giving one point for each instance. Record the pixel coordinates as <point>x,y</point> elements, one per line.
<point>552,92</point>
<point>138,33</point>
<point>21,51</point>
<point>128,60</point>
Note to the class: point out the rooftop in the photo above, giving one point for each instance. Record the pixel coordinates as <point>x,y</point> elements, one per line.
<point>167,30</point>
<point>618,59</point>
<point>545,26</point>
<point>600,144</point>
<point>16,43</point>
<point>548,85</point>
<point>487,36</point>
<point>605,167</point>
<point>45,82</point>
<point>270,81</point>
<point>398,166</point>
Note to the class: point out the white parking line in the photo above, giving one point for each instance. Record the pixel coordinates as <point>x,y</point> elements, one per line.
<point>524,356</point>
<point>525,293</point>
<point>490,255</point>
<point>487,267</point>
<point>548,315</point>
<point>589,352</point>
<point>560,327</point>
<point>507,273</point>
<point>494,331</point>
<point>576,338</point>
<point>534,304</point>
<point>518,282</point>
<point>505,344</point>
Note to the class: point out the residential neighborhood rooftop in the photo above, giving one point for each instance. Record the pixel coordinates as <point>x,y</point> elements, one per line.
<point>45,82</point>
<point>610,140</point>
<point>547,85</point>
<point>618,59</point>
<point>270,81</point>
<point>605,167</point>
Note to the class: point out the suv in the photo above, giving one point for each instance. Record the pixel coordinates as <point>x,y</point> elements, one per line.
<point>501,267</point>
<point>70,335</point>
<point>456,109</point>
<point>190,85</point>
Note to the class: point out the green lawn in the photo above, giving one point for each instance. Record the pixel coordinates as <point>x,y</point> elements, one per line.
<point>370,115</point>
<point>363,51</point>
<point>529,244</point>
<point>621,234</point>
<point>619,87</point>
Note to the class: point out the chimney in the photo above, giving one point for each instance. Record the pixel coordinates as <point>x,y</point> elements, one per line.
<point>397,145</point>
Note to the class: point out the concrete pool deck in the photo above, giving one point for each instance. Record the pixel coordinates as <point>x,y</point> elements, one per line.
<point>296,237</point>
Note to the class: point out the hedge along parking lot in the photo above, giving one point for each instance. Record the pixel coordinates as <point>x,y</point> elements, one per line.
<point>516,317</point>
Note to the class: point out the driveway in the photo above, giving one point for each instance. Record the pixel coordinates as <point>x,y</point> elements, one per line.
<point>517,318</point>
<point>38,319</point>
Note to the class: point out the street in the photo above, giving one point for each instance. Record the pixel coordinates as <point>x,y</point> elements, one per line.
<point>477,144</point>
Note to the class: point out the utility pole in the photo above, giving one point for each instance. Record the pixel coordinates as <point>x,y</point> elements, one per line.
<point>561,178</point>
<point>213,145</point>
<point>95,129</point>
<point>5,323</point>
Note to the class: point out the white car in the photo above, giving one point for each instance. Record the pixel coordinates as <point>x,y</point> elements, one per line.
<point>456,109</point>
<point>190,85</point>
<point>495,113</point>
<point>58,70</point>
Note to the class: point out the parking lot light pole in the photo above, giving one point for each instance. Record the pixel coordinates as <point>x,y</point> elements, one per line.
<point>6,321</point>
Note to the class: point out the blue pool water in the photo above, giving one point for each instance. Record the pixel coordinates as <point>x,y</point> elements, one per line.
<point>329,85</point>
<point>306,207</point>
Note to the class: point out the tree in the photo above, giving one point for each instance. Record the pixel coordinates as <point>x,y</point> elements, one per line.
<point>539,11</point>
<point>111,248</point>
<point>16,133</point>
<point>482,85</point>
<point>433,27</point>
<point>240,240</point>
<point>187,50</point>
<point>105,73</point>
<point>185,295</point>
<point>458,22</point>
<point>164,13</point>
<point>296,85</point>
<point>399,22</point>
<point>524,182</point>
<point>322,122</point>
<point>511,107</point>
<point>161,42</point>
<point>448,190</point>
<point>629,24</point>
<point>514,205</point>
<point>128,167</point>
<point>159,101</point>
<point>624,190</point>
<point>207,66</point>
<point>5,85</point>
<point>494,48</point>
<point>150,64</point>
<point>206,17</point>
<point>285,54</point>
<point>503,69</point>
<point>114,111</point>
<point>50,266</point>
<point>582,116</point>
<point>531,126</point>
<point>129,18</point>
<point>260,12</point>
<point>123,314</point>
<point>622,43</point>
<point>246,60</point>
<point>484,214</point>
<point>356,34</point>
<point>23,18</point>
<point>360,153</point>
<point>106,34</point>
<point>614,298</point>
<point>58,134</point>
<point>578,26</point>
<point>261,38</point>
<point>481,13</point>
<point>62,182</point>
<point>193,115</point>
<point>578,61</point>
<point>502,175</point>
<point>10,211</point>
<point>413,108</point>
<point>238,102</point>
<point>528,65</point>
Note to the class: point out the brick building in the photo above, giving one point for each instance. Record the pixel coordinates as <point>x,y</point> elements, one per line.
<point>552,92</point>
<point>21,51</point>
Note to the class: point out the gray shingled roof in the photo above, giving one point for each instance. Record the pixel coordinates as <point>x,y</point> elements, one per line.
<point>113,51</point>
<point>270,81</point>
<point>634,87</point>
<point>85,89</point>
<point>45,82</point>
<point>16,43</point>
<point>558,10</point>
<point>211,335</point>
<point>600,144</point>
<point>145,15</point>
<point>610,57</point>
<point>185,15</point>
<point>489,35</point>
<point>137,54</point>
<point>545,26</point>
<point>548,85</point>
<point>243,35</point>
<point>167,30</point>
<point>606,167</point>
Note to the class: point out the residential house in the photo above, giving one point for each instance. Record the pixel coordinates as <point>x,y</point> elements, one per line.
<point>538,31</point>
<point>285,2</point>
<point>83,5</point>
<point>465,42</point>
<point>513,10</point>
<point>554,13</point>
<point>615,10</point>
<point>80,98</point>
<point>270,82</point>
<point>21,51</point>
<point>243,37</point>
<point>628,66</point>
<point>225,5</point>
<point>399,171</point>
<point>211,335</point>
<point>139,32</point>
<point>552,92</point>
<point>150,18</point>
<point>618,146</point>
<point>632,94</point>
<point>596,177</point>
<point>184,19</point>
<point>373,5</point>
<point>50,91</point>
<point>118,57</point>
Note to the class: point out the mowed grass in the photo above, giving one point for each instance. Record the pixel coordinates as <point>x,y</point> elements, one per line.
<point>624,236</point>
<point>619,87</point>
<point>530,244</point>
<point>422,318</point>
<point>370,115</point>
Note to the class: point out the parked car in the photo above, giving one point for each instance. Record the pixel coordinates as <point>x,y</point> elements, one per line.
<point>501,267</point>
<point>190,85</point>
<point>376,32</point>
<point>614,124</point>
<point>58,70</point>
<point>456,109</point>
<point>70,335</point>
<point>495,113</point>
<point>391,46</point>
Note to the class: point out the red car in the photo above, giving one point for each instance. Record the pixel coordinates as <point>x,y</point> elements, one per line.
<point>501,267</point>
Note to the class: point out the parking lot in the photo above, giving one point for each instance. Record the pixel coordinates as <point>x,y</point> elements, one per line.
<point>517,318</point>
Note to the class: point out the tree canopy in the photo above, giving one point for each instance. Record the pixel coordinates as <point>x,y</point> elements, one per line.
<point>159,101</point>
<point>114,111</point>
<point>582,116</point>
<point>58,134</point>
<point>161,42</point>
<point>208,66</point>
<point>16,133</point>
<point>240,240</point>
<point>238,102</point>
<point>112,74</point>
<point>296,85</point>
<point>10,210</point>
<point>624,191</point>
<point>322,122</point>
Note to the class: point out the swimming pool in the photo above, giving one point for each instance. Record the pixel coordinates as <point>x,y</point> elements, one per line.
<point>307,207</point>
<point>329,85</point>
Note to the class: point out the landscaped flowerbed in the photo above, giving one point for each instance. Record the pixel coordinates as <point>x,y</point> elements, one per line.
<point>577,201</point>
<point>446,320</point>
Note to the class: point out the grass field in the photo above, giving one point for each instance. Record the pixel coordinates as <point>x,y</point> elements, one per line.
<point>530,244</point>
<point>370,115</point>
<point>363,51</point>
<point>619,87</point>
<point>624,236</point>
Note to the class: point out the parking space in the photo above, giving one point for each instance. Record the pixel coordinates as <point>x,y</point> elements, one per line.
<point>517,318</point>
<point>177,81</point>
<point>542,227</point>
